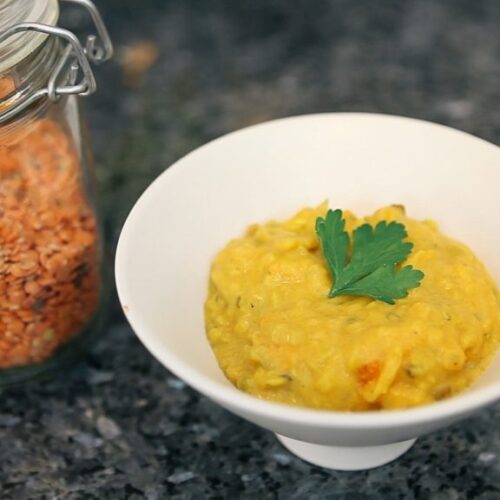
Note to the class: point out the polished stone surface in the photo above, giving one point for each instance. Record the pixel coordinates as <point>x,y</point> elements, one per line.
<point>118,425</point>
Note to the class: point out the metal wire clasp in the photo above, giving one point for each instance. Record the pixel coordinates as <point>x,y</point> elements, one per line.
<point>97,49</point>
<point>74,62</point>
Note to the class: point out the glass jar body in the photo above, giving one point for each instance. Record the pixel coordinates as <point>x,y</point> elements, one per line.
<point>50,240</point>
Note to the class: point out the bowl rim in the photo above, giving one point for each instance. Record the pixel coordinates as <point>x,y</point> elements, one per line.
<point>465,402</point>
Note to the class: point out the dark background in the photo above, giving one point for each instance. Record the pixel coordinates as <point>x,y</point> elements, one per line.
<point>118,425</point>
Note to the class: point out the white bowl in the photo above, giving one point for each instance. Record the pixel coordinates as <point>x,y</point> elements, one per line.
<point>357,161</point>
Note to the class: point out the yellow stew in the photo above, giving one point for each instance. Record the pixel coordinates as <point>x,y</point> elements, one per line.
<point>277,336</point>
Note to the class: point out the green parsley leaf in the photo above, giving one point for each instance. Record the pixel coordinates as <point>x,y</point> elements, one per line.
<point>372,268</point>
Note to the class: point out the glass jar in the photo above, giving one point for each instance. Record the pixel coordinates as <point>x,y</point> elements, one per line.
<point>50,244</point>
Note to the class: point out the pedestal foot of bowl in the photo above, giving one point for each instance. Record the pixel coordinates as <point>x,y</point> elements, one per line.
<point>345,457</point>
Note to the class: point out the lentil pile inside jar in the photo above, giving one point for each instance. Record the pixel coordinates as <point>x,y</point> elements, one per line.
<point>49,255</point>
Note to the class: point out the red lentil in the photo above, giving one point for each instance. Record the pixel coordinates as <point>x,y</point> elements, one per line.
<point>49,272</point>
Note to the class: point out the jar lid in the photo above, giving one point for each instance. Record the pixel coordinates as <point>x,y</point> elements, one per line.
<point>13,12</point>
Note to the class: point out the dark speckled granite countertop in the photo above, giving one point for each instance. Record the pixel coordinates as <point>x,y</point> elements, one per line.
<point>118,425</point>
